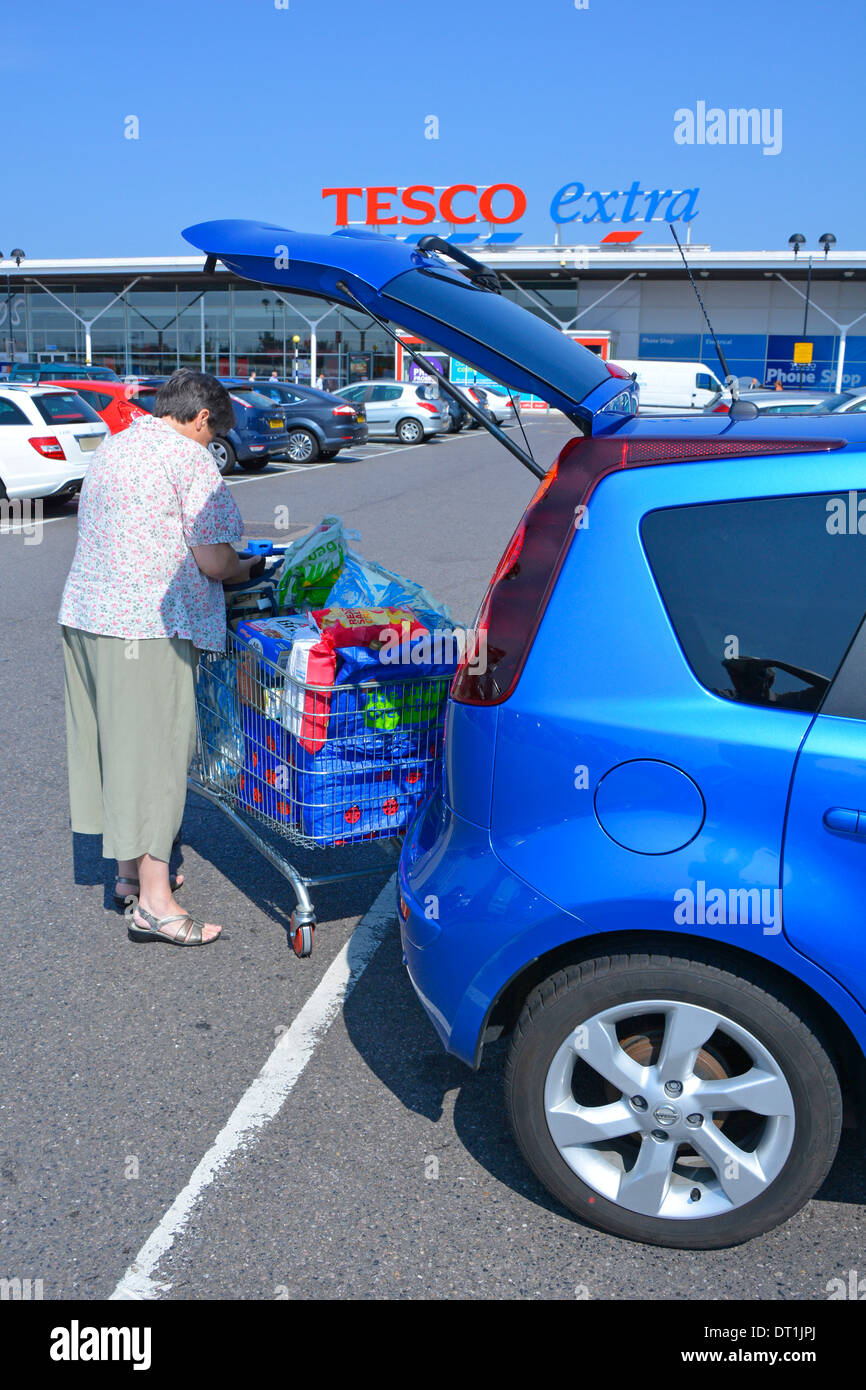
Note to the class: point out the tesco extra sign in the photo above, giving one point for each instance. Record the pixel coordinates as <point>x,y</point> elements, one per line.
<point>464,203</point>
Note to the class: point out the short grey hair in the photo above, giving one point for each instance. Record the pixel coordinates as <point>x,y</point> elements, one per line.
<point>187,392</point>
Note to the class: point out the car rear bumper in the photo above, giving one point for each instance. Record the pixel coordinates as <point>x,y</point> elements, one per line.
<point>47,487</point>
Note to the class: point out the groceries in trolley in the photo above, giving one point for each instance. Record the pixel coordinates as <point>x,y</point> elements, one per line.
<point>325,719</point>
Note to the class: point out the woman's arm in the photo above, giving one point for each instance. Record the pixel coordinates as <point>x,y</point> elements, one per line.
<point>222,562</point>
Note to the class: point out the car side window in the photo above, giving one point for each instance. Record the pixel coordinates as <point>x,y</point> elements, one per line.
<point>386,393</point>
<point>764,595</point>
<point>354,393</point>
<point>11,414</point>
<point>704,382</point>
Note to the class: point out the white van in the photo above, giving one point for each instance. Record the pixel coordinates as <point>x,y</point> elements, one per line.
<point>677,388</point>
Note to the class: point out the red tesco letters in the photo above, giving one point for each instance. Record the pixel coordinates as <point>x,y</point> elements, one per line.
<point>455,204</point>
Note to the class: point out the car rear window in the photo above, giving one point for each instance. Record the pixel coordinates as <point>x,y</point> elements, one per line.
<point>752,587</point>
<point>144,399</point>
<point>65,408</point>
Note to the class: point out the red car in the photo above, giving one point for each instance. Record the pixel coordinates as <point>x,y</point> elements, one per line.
<point>110,399</point>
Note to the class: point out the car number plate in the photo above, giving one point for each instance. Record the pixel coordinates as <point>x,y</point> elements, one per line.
<point>88,442</point>
<point>276,424</point>
<point>362,419</point>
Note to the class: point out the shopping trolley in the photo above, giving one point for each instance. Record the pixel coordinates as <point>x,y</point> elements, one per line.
<point>330,775</point>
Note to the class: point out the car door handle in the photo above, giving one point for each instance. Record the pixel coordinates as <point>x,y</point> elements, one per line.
<point>845,820</point>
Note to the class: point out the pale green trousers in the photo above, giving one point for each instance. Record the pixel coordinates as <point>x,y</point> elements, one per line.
<point>130,736</point>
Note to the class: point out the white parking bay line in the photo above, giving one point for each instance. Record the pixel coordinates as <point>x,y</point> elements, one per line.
<point>264,1098</point>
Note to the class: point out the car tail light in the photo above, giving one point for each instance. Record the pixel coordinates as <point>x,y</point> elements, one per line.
<point>49,446</point>
<point>722,409</point>
<point>425,405</point>
<point>525,577</point>
<point>343,410</point>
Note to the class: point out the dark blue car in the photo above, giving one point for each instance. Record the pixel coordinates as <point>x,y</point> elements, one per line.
<point>646,858</point>
<point>319,425</point>
<point>259,433</point>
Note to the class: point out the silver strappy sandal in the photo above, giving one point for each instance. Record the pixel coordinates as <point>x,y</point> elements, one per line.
<point>192,936</point>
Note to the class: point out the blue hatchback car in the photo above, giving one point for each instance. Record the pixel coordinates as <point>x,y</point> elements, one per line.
<point>644,863</point>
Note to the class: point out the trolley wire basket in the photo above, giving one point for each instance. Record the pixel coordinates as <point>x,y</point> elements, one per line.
<point>328,775</point>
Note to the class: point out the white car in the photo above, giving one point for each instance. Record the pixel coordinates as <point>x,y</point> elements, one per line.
<point>47,438</point>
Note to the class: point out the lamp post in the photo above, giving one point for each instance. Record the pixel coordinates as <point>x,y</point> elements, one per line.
<point>17,256</point>
<point>295,339</point>
<point>795,242</point>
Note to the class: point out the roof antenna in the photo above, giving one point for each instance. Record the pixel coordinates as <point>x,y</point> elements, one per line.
<point>740,410</point>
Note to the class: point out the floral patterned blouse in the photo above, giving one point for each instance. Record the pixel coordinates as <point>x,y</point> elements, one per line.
<point>148,495</point>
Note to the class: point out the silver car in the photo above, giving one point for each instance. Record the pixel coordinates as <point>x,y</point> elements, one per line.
<point>395,408</point>
<point>845,403</point>
<point>499,403</point>
<point>771,402</point>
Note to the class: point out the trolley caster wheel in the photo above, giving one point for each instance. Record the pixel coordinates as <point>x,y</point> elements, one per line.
<point>301,938</point>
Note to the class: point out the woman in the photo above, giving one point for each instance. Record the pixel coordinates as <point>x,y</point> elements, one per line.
<point>143,597</point>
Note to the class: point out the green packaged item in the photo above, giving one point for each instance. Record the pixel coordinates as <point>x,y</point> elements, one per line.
<point>312,564</point>
<point>390,709</point>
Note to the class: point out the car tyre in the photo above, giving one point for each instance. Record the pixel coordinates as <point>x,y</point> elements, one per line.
<point>303,447</point>
<point>410,431</point>
<point>255,465</point>
<point>601,1011</point>
<point>328,454</point>
<point>224,455</point>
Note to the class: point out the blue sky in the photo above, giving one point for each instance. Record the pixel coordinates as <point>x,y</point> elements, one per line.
<point>247,110</point>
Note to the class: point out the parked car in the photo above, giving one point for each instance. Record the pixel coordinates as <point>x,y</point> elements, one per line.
<point>258,436</point>
<point>500,405</point>
<point>319,424</point>
<point>47,438</point>
<point>851,402</point>
<point>395,408</point>
<point>475,395</point>
<point>645,861</point>
<point>678,388</point>
<point>110,399</point>
<point>59,371</point>
<point>786,402</point>
<point>458,417</point>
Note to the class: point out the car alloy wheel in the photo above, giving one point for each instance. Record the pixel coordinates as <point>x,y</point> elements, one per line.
<point>302,447</point>
<point>672,1101</point>
<point>224,455</point>
<point>410,432</point>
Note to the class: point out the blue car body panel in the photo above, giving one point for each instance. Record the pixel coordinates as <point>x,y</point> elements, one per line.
<point>825,867</point>
<point>611,789</point>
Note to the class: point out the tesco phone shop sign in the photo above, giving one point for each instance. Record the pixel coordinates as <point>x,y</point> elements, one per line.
<point>461,204</point>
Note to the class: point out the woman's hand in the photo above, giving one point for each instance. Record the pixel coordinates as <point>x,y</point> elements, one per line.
<point>222,562</point>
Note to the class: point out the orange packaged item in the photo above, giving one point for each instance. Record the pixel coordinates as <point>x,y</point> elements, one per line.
<point>366,627</point>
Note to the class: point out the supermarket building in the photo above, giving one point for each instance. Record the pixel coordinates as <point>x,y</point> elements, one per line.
<point>149,315</point>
